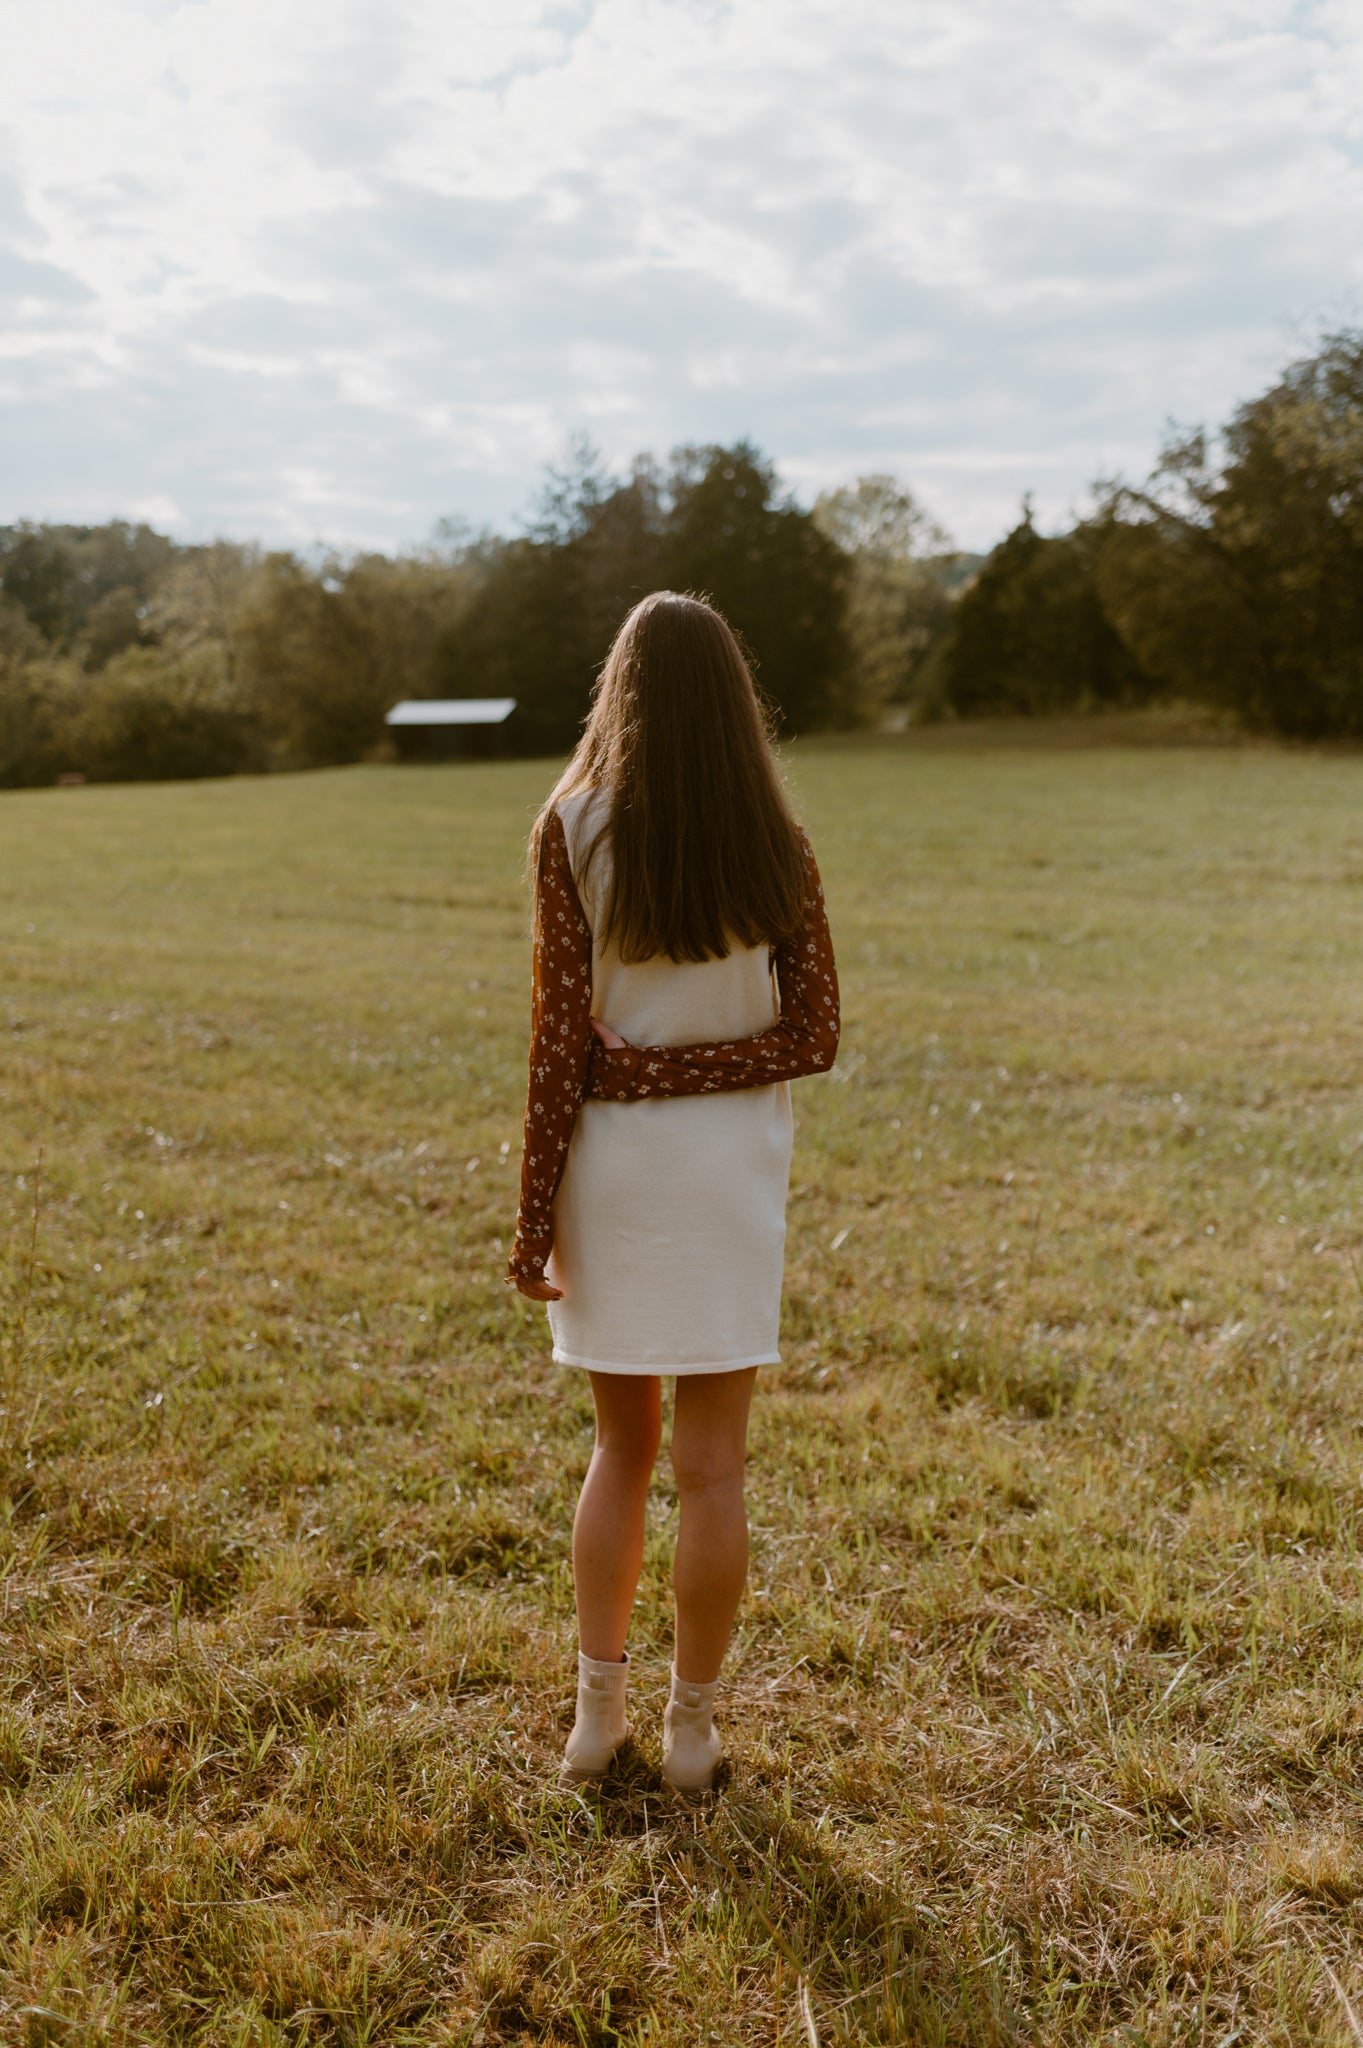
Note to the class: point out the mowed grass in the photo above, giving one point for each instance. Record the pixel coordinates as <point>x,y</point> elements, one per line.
<point>1044,1709</point>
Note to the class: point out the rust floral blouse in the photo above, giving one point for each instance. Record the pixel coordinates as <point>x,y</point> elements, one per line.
<point>568,1062</point>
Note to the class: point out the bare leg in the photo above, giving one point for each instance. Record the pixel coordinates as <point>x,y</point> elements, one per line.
<point>709,1445</point>
<point>608,1530</point>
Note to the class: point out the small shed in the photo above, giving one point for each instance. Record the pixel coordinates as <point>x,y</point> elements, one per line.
<point>449,728</point>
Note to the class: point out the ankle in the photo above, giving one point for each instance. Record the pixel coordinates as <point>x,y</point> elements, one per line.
<point>602,1670</point>
<point>686,1692</point>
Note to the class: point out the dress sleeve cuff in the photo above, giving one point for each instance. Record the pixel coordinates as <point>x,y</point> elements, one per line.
<point>526,1263</point>
<point>614,1070</point>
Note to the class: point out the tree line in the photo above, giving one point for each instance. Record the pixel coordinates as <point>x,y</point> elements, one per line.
<point>123,654</point>
<point>1232,576</point>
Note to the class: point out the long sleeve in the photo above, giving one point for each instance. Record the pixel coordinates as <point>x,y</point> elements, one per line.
<point>560,1044</point>
<point>804,1042</point>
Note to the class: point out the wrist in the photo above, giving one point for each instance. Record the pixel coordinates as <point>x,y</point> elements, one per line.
<point>614,1070</point>
<point>527,1262</point>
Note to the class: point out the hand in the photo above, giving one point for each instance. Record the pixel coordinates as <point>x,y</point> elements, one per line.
<point>539,1290</point>
<point>610,1039</point>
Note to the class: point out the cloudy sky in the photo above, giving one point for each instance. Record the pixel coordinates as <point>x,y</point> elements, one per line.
<point>336,268</point>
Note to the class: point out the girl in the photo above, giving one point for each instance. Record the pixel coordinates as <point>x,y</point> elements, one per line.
<point>670,879</point>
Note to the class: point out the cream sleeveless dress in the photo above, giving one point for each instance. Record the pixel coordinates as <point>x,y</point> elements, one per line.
<point>670,1219</point>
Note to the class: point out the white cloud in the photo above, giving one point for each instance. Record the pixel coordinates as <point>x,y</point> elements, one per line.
<point>337,269</point>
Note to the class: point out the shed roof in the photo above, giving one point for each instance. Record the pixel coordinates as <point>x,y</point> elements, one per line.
<point>451,711</point>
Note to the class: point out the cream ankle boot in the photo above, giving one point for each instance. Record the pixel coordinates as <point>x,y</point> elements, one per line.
<point>600,1726</point>
<point>691,1748</point>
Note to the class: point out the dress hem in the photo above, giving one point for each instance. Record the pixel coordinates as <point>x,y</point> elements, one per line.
<point>662,1370</point>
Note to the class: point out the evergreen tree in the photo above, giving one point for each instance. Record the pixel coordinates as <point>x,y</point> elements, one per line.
<point>1030,634</point>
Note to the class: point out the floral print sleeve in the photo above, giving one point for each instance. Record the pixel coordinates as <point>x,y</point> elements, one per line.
<point>560,1044</point>
<point>804,1042</point>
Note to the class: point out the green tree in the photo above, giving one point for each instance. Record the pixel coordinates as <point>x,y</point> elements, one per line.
<point>1236,574</point>
<point>524,635</point>
<point>732,535</point>
<point>193,609</point>
<point>308,670</point>
<point>543,606</point>
<point>398,608</point>
<point>38,577</point>
<point>60,575</point>
<point>144,718</point>
<point>114,623</point>
<point>898,601</point>
<point>1030,634</point>
<point>547,604</point>
<point>37,690</point>
<point>116,556</point>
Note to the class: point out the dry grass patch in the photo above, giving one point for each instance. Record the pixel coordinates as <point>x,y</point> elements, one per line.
<point>1043,1717</point>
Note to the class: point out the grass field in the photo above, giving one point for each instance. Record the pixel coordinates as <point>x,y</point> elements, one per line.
<point>1045,1712</point>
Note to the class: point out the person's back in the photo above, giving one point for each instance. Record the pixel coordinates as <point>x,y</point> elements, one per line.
<point>657,1192</point>
<point>658,1001</point>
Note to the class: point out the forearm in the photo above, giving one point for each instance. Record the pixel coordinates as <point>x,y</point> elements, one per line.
<point>560,1051</point>
<point>549,1128</point>
<point>785,1052</point>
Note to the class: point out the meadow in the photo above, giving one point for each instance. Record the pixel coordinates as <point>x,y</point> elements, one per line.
<point>1044,1713</point>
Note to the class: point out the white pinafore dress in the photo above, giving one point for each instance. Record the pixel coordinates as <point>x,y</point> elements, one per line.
<point>670,1218</point>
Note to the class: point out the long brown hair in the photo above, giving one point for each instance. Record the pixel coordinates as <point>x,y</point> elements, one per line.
<point>704,851</point>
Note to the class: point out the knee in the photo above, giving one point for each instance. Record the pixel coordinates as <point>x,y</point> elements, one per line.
<point>706,1468</point>
<point>632,1451</point>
